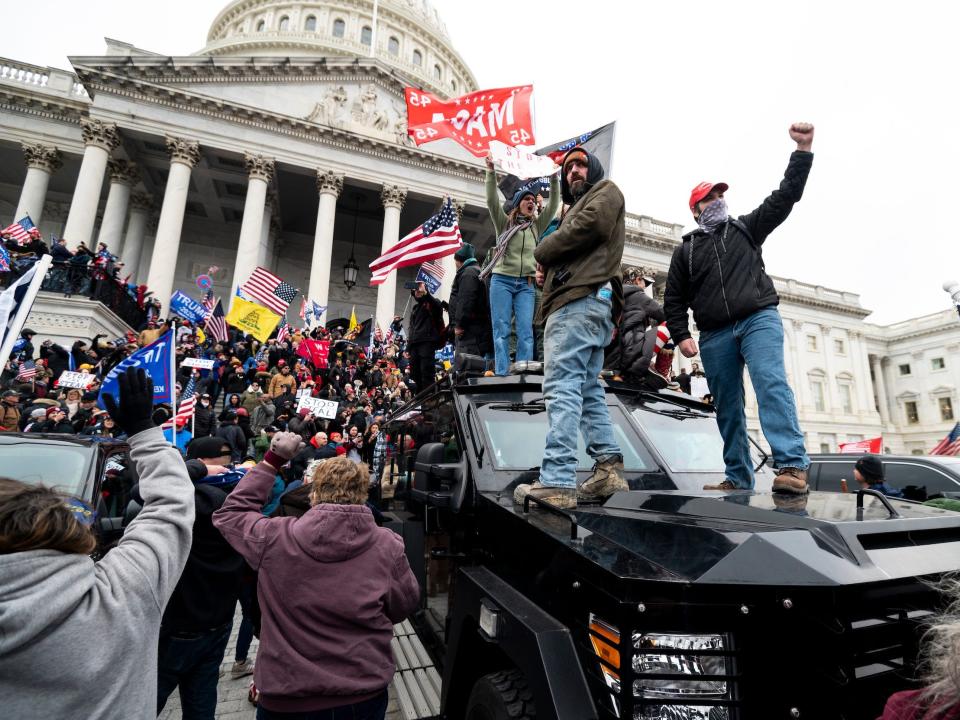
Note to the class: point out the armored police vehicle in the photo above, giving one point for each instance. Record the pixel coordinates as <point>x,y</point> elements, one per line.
<point>664,602</point>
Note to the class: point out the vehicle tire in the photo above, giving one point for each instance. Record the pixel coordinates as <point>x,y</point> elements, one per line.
<point>501,695</point>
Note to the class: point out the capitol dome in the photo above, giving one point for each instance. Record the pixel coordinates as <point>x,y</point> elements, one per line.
<point>410,37</point>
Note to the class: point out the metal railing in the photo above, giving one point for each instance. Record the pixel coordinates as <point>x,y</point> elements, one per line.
<point>88,281</point>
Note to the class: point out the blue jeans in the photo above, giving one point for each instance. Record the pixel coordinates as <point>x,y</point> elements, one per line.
<point>194,665</point>
<point>373,709</point>
<point>573,343</point>
<point>756,341</point>
<point>511,297</point>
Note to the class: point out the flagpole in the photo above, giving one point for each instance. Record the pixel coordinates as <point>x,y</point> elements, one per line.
<point>370,351</point>
<point>20,319</point>
<point>173,377</point>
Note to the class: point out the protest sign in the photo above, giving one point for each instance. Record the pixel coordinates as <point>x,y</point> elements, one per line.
<point>522,163</point>
<point>79,380</point>
<point>319,407</point>
<point>203,363</point>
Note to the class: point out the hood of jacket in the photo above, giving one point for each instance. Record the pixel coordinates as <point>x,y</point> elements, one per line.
<point>595,174</point>
<point>39,590</point>
<point>334,533</point>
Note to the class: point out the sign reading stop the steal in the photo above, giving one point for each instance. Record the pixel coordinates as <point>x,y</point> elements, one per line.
<point>319,407</point>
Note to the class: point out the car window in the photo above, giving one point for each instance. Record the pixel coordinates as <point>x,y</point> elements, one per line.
<point>900,474</point>
<point>830,473</point>
<point>517,439</point>
<point>61,467</point>
<point>115,486</point>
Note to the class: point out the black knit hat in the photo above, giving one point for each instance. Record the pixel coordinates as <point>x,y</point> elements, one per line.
<point>466,252</point>
<point>870,467</point>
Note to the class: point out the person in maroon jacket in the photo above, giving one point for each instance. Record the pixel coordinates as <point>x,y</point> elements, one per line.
<point>331,586</point>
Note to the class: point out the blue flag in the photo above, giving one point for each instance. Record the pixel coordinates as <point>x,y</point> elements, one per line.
<point>186,307</point>
<point>431,281</point>
<point>155,360</point>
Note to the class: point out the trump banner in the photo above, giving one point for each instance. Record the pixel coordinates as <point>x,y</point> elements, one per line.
<point>155,360</point>
<point>873,445</point>
<point>252,318</point>
<point>504,114</point>
<point>186,307</point>
<point>315,352</point>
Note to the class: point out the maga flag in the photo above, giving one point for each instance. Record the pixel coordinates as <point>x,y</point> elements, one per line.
<point>473,120</point>
<point>858,447</point>
<point>252,318</point>
<point>315,352</point>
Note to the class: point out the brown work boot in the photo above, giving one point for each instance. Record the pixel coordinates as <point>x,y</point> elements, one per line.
<point>562,497</point>
<point>791,480</point>
<point>725,486</point>
<point>607,479</point>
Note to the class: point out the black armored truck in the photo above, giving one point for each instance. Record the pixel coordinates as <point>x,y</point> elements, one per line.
<point>665,602</point>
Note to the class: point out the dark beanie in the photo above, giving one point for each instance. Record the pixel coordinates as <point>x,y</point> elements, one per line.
<point>205,447</point>
<point>465,253</point>
<point>870,467</point>
<point>520,195</point>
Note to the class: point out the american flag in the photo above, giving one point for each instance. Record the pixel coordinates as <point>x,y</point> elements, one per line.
<point>284,332</point>
<point>261,354</point>
<point>216,323</point>
<point>270,291</point>
<point>4,259</point>
<point>434,268</point>
<point>208,302</point>
<point>187,406</point>
<point>378,334</point>
<point>27,371</point>
<point>950,445</point>
<point>20,230</point>
<point>438,237</point>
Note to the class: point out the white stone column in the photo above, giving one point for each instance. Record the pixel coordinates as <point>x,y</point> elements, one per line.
<point>100,139</point>
<point>123,176</point>
<point>881,383</point>
<point>801,386</point>
<point>265,249</point>
<point>140,206</point>
<point>861,369</point>
<point>832,391</point>
<point>329,186</point>
<point>184,154</point>
<point>393,198</point>
<point>260,173</point>
<point>42,162</point>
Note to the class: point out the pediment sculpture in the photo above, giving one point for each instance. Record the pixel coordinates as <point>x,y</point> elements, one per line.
<point>330,108</point>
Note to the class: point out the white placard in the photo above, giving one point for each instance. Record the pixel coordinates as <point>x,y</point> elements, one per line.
<point>319,407</point>
<point>79,380</point>
<point>197,363</point>
<point>522,163</point>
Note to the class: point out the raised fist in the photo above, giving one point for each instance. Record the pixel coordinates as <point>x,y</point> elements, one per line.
<point>286,444</point>
<point>802,135</point>
<point>489,161</point>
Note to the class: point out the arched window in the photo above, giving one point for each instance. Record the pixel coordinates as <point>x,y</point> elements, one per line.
<point>437,72</point>
<point>311,24</point>
<point>339,28</point>
<point>417,58</point>
<point>366,35</point>
<point>393,46</point>
<point>261,26</point>
<point>453,85</point>
<point>284,23</point>
<point>239,28</point>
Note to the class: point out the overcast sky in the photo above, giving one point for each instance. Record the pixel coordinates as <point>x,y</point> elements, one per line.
<point>700,91</point>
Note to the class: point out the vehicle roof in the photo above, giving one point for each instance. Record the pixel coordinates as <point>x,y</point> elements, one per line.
<point>853,457</point>
<point>59,438</point>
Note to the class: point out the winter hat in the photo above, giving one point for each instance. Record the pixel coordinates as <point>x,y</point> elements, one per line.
<point>466,252</point>
<point>89,397</point>
<point>303,412</point>
<point>520,195</point>
<point>205,447</point>
<point>870,467</point>
<point>341,450</point>
<point>52,410</point>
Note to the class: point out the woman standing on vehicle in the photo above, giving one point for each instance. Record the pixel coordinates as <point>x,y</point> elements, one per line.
<point>331,586</point>
<point>512,268</point>
<point>62,610</point>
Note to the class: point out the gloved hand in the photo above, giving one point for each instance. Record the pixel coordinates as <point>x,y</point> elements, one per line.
<point>133,414</point>
<point>286,445</point>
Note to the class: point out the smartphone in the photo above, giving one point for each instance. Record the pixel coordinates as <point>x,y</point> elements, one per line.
<point>411,285</point>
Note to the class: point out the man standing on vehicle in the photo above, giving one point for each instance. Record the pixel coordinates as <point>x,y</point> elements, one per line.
<point>719,272</point>
<point>582,294</point>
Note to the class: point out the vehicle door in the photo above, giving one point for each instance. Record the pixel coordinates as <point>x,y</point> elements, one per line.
<point>113,493</point>
<point>831,472</point>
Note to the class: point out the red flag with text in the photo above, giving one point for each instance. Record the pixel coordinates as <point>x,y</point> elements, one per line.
<point>315,352</point>
<point>873,445</point>
<point>504,114</point>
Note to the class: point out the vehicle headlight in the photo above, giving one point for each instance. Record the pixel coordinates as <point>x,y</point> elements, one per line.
<point>701,658</point>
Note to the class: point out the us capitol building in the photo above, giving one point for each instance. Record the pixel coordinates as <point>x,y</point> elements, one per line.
<point>283,143</point>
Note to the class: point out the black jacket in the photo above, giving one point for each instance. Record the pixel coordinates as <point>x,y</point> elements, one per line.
<point>204,422</point>
<point>426,321</point>
<point>470,308</point>
<point>633,350</point>
<point>231,434</point>
<point>722,275</point>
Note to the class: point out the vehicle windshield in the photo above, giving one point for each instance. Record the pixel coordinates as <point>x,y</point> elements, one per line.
<point>62,467</point>
<point>517,438</point>
<point>688,442</point>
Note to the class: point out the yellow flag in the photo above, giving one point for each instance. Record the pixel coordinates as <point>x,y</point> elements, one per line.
<point>252,318</point>
<point>201,337</point>
<point>353,319</point>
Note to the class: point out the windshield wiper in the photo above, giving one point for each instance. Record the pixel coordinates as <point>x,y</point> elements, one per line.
<point>534,407</point>
<point>677,414</point>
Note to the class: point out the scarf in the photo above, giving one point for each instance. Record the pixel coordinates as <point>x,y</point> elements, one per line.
<point>501,248</point>
<point>713,215</point>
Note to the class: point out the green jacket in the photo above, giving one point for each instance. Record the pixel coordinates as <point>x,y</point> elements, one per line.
<point>518,260</point>
<point>588,244</point>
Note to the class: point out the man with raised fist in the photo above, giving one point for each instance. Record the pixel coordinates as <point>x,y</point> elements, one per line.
<point>718,271</point>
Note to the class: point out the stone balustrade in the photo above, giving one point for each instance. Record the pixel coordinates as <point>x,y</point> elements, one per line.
<point>47,79</point>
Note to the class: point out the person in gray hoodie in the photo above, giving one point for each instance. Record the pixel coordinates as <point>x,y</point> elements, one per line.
<point>331,586</point>
<point>66,622</point>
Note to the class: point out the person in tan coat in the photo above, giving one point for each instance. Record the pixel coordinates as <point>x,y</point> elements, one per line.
<point>283,379</point>
<point>10,411</point>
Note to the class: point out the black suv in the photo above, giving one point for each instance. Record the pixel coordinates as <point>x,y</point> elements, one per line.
<point>664,602</point>
<point>924,475</point>
<point>99,472</point>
